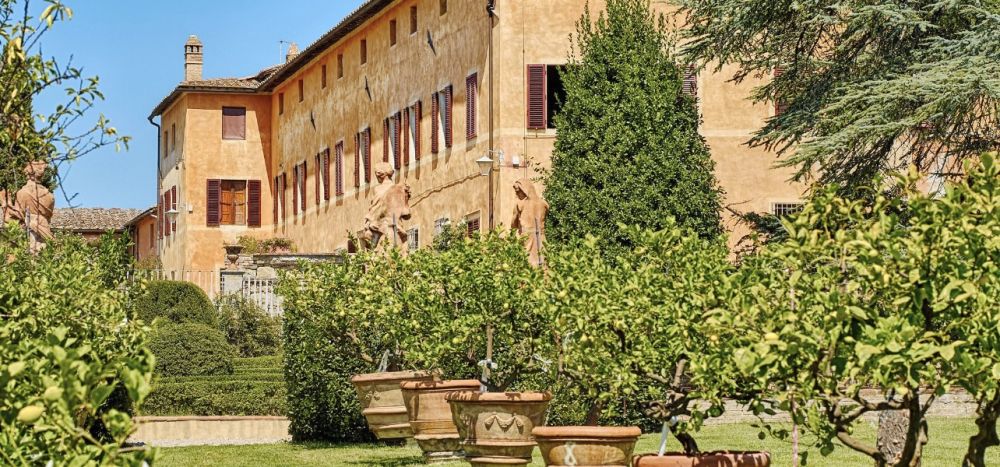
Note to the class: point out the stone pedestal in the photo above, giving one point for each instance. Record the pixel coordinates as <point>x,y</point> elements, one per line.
<point>231,282</point>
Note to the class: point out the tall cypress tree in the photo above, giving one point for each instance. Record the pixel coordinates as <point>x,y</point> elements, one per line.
<point>628,149</point>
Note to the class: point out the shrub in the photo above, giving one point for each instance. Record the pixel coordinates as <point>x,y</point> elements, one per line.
<point>191,349</point>
<point>175,301</point>
<point>248,328</point>
<point>67,340</point>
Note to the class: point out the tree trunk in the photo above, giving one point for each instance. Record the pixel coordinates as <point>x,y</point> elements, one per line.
<point>893,426</point>
<point>987,414</point>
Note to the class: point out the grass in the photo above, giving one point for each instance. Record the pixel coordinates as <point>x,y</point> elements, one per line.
<point>948,438</point>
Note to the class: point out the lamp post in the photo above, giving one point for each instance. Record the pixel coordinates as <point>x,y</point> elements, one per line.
<point>486,164</point>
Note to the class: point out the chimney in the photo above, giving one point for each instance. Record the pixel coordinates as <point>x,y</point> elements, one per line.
<point>293,51</point>
<point>192,59</point>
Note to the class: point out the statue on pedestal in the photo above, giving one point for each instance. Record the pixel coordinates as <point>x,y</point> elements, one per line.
<point>389,208</point>
<point>529,218</point>
<point>31,206</point>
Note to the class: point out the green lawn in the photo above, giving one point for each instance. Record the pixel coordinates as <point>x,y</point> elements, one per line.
<point>948,441</point>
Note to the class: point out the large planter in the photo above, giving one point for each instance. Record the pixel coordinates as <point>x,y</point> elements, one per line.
<point>586,445</point>
<point>430,416</point>
<point>495,427</point>
<point>705,459</point>
<point>382,401</point>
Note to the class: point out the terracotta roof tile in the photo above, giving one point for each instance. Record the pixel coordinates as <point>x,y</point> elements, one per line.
<point>92,219</point>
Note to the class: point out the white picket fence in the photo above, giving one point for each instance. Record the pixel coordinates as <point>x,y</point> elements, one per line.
<point>262,292</point>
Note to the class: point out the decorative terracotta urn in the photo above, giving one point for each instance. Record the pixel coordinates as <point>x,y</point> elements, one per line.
<point>233,254</point>
<point>586,445</point>
<point>382,401</point>
<point>705,459</point>
<point>430,416</point>
<point>495,427</point>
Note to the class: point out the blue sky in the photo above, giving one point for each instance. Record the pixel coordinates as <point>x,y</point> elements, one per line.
<point>136,48</point>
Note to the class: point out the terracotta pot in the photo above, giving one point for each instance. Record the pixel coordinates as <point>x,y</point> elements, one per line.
<point>495,427</point>
<point>430,416</point>
<point>586,445</point>
<point>705,459</point>
<point>382,401</point>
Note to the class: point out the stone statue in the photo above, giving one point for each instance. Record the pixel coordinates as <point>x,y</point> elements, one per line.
<point>389,208</point>
<point>31,206</point>
<point>529,218</point>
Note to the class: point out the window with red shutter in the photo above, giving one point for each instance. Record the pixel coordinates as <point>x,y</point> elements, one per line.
<point>435,123</point>
<point>416,116</point>
<point>357,160</point>
<point>448,101</point>
<point>537,112</point>
<point>366,146</point>
<point>303,184</point>
<point>173,206</point>
<point>284,195</point>
<point>168,227</point>
<point>274,198</point>
<point>472,226</point>
<point>339,173</point>
<point>326,174</point>
<point>385,139</point>
<point>253,203</point>
<point>213,202</point>
<point>397,137</point>
<point>318,176</point>
<point>471,93</point>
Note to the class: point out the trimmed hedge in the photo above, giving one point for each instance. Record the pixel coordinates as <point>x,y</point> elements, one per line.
<point>249,328</point>
<point>219,396</point>
<point>191,349</point>
<point>175,301</point>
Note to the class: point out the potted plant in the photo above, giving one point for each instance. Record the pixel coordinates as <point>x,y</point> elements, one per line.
<point>430,416</point>
<point>633,325</point>
<point>470,308</point>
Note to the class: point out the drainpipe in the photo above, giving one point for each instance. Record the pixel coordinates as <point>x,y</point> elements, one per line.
<point>159,145</point>
<point>490,7</point>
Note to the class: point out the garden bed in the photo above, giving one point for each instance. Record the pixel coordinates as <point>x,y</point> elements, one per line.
<point>256,388</point>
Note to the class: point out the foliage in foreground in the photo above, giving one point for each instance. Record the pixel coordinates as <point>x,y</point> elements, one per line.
<point>628,149</point>
<point>67,341</point>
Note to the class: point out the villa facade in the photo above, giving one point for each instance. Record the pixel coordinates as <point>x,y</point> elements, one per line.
<point>428,85</point>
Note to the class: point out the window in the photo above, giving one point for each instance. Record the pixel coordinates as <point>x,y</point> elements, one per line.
<point>393,138</point>
<point>441,119</point>
<point>326,174</point>
<point>233,202</point>
<point>322,77</point>
<point>780,106</point>
<point>173,207</point>
<point>302,187</point>
<point>302,93</point>
<point>339,172</point>
<point>413,238</point>
<point>472,224</point>
<point>364,51</point>
<point>690,85</point>
<point>471,94</point>
<point>281,103</point>
<point>546,94</point>
<point>785,209</point>
<point>234,123</point>
<point>444,6</point>
<point>276,199</point>
<point>413,118</point>
<point>166,143</point>
<point>392,32</point>
<point>340,66</point>
<point>440,225</point>
<point>318,181</point>
<point>363,157</point>
<point>413,20</point>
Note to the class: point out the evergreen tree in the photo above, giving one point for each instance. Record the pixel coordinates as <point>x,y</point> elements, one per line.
<point>868,87</point>
<point>628,149</point>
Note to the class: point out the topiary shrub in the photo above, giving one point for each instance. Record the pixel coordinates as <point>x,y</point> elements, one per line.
<point>191,349</point>
<point>248,328</point>
<point>178,302</point>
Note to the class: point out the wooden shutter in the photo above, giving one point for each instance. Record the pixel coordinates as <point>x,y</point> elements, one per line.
<point>472,226</point>
<point>397,134</point>
<point>284,194</point>
<point>537,114</point>
<point>690,85</point>
<point>385,140</point>
<point>253,203</point>
<point>168,227</point>
<point>357,160</point>
<point>304,173</point>
<point>435,123</point>
<point>159,216</point>
<point>173,206</point>
<point>326,174</point>
<point>212,203</point>
<point>471,91</point>
<point>318,178</point>
<point>295,189</point>
<point>448,101</point>
<point>406,135</point>
<point>418,110</point>
<point>366,140</point>
<point>339,161</point>
<point>779,105</point>
<point>274,198</point>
